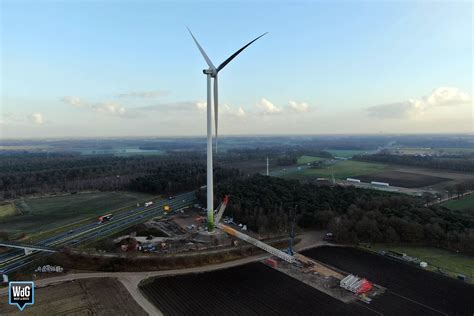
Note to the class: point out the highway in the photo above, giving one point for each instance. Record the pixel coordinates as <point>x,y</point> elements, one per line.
<point>16,259</point>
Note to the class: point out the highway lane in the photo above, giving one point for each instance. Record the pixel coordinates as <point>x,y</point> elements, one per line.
<point>96,230</point>
<point>74,231</point>
<point>87,227</point>
<point>141,212</point>
<point>99,230</point>
<point>65,234</point>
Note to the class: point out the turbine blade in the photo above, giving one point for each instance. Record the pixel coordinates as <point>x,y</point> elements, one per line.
<point>208,61</point>
<point>216,106</point>
<point>236,53</point>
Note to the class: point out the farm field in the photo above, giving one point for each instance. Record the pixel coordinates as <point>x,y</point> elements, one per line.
<point>403,179</point>
<point>440,258</point>
<point>406,284</point>
<point>81,297</point>
<point>347,153</point>
<point>42,214</point>
<point>465,203</point>
<point>342,170</point>
<point>252,289</point>
<point>122,152</point>
<point>303,160</point>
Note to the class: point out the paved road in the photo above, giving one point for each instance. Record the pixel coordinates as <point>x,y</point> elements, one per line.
<point>15,259</point>
<point>131,280</point>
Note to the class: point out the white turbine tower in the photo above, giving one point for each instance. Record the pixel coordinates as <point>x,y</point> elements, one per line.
<point>212,72</point>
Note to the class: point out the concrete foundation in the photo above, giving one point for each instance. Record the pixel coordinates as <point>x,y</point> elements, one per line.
<point>216,237</point>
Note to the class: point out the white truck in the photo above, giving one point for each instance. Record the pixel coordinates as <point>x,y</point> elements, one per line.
<point>148,203</point>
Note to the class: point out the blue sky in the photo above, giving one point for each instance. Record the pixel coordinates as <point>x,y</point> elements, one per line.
<point>116,68</point>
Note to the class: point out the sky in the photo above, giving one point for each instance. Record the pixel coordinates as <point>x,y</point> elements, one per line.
<point>118,68</point>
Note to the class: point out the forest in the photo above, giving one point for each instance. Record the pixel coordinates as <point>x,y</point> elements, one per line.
<point>354,215</point>
<point>178,177</point>
<point>41,173</point>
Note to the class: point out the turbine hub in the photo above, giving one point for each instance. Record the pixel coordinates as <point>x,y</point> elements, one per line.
<point>210,71</point>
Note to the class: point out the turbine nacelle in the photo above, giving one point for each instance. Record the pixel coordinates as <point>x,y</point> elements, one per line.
<point>210,71</point>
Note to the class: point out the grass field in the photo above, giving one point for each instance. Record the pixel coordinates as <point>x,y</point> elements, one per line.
<point>303,160</point>
<point>341,169</point>
<point>346,153</point>
<point>403,179</point>
<point>447,260</point>
<point>7,209</point>
<point>465,203</point>
<point>21,147</point>
<point>42,214</point>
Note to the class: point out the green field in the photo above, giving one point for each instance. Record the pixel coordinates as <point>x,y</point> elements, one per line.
<point>437,258</point>
<point>343,153</point>
<point>303,160</point>
<point>342,170</point>
<point>7,209</point>
<point>465,203</point>
<point>42,214</point>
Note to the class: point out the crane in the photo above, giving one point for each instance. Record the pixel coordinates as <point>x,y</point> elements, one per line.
<point>231,231</point>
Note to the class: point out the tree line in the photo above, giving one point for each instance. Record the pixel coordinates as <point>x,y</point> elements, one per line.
<point>26,174</point>
<point>354,215</point>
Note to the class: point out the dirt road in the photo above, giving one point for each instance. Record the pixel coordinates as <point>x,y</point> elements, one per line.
<point>131,279</point>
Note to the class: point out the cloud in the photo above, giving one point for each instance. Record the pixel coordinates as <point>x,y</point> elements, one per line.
<point>36,118</point>
<point>241,112</point>
<point>229,110</point>
<point>10,116</point>
<point>107,107</point>
<point>443,96</point>
<point>201,105</point>
<point>299,107</point>
<point>446,96</point>
<point>144,94</point>
<point>393,110</point>
<point>223,108</point>
<point>75,101</point>
<point>267,107</point>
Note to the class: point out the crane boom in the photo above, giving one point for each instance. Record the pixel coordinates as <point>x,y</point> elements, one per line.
<point>272,250</point>
<point>220,210</point>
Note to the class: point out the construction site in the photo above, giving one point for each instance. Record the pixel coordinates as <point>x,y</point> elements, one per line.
<point>186,232</point>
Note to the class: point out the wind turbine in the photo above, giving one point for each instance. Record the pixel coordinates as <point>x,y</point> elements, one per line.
<point>212,72</point>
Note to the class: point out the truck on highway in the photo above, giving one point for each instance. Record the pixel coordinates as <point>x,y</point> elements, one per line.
<point>105,218</point>
<point>166,208</point>
<point>148,203</point>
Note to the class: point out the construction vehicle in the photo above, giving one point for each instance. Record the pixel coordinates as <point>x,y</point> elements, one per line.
<point>355,284</point>
<point>328,237</point>
<point>166,208</point>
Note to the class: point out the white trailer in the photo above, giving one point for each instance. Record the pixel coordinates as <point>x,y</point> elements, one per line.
<point>353,180</point>
<point>384,184</point>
